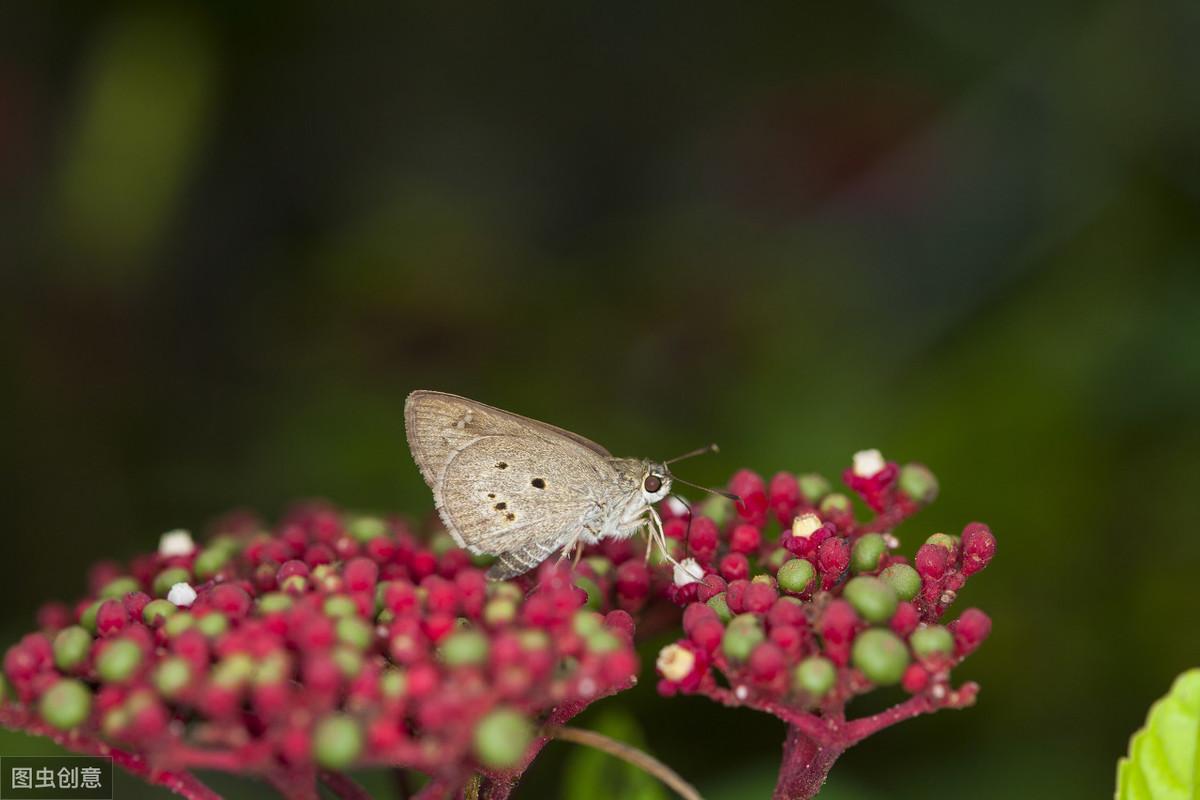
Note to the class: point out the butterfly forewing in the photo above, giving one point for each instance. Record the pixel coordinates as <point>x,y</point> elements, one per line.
<point>503,482</point>
<point>502,493</point>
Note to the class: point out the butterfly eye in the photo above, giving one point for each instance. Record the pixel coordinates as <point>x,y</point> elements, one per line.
<point>652,483</point>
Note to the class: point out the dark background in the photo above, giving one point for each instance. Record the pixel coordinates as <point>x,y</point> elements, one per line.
<point>234,237</point>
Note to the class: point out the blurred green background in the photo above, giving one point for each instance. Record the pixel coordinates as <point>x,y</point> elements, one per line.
<point>234,236</point>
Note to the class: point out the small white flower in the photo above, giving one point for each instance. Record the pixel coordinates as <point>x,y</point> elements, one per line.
<point>805,525</point>
<point>676,506</point>
<point>868,463</point>
<point>182,595</point>
<point>675,663</point>
<point>688,571</point>
<point>741,693</point>
<point>176,543</point>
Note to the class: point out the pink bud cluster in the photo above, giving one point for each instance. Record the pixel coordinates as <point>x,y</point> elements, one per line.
<point>798,623</point>
<point>329,642</point>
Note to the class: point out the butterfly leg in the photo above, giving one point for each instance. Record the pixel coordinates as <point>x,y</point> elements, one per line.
<point>657,535</point>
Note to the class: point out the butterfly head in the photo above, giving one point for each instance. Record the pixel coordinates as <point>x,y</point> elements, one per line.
<point>656,482</point>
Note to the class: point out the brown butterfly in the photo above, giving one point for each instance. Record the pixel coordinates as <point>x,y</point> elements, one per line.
<point>519,489</point>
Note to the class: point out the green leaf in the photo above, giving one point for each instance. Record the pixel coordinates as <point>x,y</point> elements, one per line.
<point>1163,756</point>
<point>593,775</point>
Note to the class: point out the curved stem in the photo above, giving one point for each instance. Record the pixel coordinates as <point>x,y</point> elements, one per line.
<point>181,782</point>
<point>630,754</point>
<point>343,786</point>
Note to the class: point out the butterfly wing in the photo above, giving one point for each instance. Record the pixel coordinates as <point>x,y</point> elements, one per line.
<point>504,483</point>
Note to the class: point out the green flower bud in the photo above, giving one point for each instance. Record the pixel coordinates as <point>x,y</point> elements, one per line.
<point>337,741</point>
<point>599,564</point>
<point>742,635</point>
<point>931,640</point>
<point>594,595</point>
<point>835,503</point>
<point>210,561</point>
<point>349,660</point>
<point>172,676</point>
<point>796,575</point>
<point>867,552</point>
<point>904,579</point>
<point>813,487</point>
<point>880,655</point>
<point>765,580</point>
<point>71,646</point>
<point>534,639</point>
<point>114,722</point>
<point>66,704</point>
<point>274,602</point>
<point>941,540</point>
<point>158,611</point>
<point>719,604</point>
<point>875,600</point>
<point>779,556</point>
<point>366,528</point>
<point>118,588</point>
<point>393,683</point>
<point>502,737</point>
<point>178,622</point>
<point>213,624</point>
<point>233,670</point>
<point>442,543</point>
<point>815,676</point>
<point>226,543</point>
<point>464,647</point>
<point>340,605</point>
<point>499,610</point>
<point>354,632</point>
<point>88,618</point>
<point>603,641</point>
<point>718,509</point>
<point>586,622</point>
<point>505,591</point>
<point>168,578</point>
<point>918,482</point>
<point>118,661</point>
<point>275,668</point>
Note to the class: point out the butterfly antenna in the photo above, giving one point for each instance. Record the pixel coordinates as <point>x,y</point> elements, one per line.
<point>699,451</point>
<point>721,492</point>
<point>687,535</point>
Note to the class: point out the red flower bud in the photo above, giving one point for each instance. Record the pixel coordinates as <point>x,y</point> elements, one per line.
<point>978,547</point>
<point>931,561</point>
<point>752,496</point>
<point>758,597</point>
<point>969,630</point>
<point>915,679</point>
<point>703,539</point>
<point>905,620</point>
<point>735,566</point>
<point>745,539</point>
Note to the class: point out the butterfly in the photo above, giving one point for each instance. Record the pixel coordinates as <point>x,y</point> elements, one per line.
<point>521,490</point>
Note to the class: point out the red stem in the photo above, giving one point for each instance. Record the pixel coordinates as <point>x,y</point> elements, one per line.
<point>181,782</point>
<point>814,742</point>
<point>343,786</point>
<point>805,766</point>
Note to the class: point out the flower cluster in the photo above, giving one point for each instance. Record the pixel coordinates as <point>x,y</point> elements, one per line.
<point>800,623</point>
<point>332,641</point>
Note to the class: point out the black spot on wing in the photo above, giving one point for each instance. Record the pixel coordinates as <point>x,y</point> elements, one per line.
<point>501,465</point>
<point>538,483</point>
